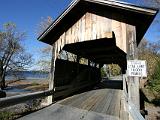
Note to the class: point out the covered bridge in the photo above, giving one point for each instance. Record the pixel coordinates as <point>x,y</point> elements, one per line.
<point>101,31</point>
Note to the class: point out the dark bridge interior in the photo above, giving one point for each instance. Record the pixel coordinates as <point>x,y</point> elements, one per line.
<point>102,51</point>
<point>72,77</point>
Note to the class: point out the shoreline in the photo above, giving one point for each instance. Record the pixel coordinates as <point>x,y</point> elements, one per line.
<point>17,87</point>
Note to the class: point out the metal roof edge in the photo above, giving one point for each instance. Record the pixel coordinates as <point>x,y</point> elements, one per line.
<point>121,5</point>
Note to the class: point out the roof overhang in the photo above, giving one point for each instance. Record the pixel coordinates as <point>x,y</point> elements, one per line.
<point>98,51</point>
<point>141,17</point>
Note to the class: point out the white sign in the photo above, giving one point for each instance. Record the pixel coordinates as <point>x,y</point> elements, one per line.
<point>137,68</point>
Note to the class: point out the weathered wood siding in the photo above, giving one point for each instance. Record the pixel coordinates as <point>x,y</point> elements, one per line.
<point>67,73</point>
<point>92,27</point>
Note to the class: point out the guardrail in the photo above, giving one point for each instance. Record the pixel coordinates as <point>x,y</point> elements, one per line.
<point>9,101</point>
<point>64,90</point>
<point>57,92</point>
<point>69,89</point>
<point>134,113</point>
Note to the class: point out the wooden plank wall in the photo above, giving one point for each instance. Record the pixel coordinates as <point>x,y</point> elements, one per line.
<point>69,79</point>
<point>92,27</point>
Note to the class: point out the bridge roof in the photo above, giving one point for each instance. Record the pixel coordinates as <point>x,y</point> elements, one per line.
<point>141,17</point>
<point>99,51</point>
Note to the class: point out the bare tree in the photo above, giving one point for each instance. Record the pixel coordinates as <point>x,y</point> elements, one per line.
<point>149,52</point>
<point>12,53</point>
<point>43,25</point>
<point>44,63</point>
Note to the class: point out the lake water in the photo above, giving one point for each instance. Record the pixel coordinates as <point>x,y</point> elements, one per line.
<point>28,75</point>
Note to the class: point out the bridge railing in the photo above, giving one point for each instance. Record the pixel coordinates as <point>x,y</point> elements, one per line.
<point>134,114</point>
<point>57,92</point>
<point>10,101</point>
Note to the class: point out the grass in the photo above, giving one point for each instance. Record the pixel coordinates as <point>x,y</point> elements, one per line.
<point>156,102</point>
<point>152,90</point>
<point>24,109</point>
<point>37,87</point>
<point>6,115</point>
<point>152,96</point>
<point>34,83</point>
<point>154,83</point>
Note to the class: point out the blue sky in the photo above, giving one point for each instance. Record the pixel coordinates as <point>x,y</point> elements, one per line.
<point>26,14</point>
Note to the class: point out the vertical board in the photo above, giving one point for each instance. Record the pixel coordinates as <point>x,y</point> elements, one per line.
<point>133,82</point>
<point>83,28</point>
<point>116,27</point>
<point>91,27</point>
<point>88,26</point>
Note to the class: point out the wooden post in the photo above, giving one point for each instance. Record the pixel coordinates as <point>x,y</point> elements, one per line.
<point>51,80</point>
<point>78,60</point>
<point>133,82</point>
<point>89,63</point>
<point>123,73</point>
<point>124,83</point>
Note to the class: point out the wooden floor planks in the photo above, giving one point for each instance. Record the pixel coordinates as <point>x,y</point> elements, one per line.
<point>99,104</point>
<point>63,112</point>
<point>106,101</point>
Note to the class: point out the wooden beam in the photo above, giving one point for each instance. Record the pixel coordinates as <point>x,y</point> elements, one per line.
<point>96,49</point>
<point>133,82</point>
<point>71,89</point>
<point>10,101</point>
<point>51,80</point>
<point>118,58</point>
<point>100,53</point>
<point>106,57</point>
<point>90,47</point>
<point>107,61</point>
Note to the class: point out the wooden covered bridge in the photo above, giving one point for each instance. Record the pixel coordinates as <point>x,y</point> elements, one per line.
<point>102,32</point>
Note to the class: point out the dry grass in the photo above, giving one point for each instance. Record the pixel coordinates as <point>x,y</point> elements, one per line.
<point>30,85</point>
<point>153,112</point>
<point>37,87</point>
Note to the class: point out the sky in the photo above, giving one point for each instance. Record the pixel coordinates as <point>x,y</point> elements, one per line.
<point>27,14</point>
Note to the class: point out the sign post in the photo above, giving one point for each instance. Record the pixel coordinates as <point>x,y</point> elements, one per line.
<point>136,69</point>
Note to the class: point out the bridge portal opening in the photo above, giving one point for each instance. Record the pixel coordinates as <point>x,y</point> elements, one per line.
<point>82,63</point>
